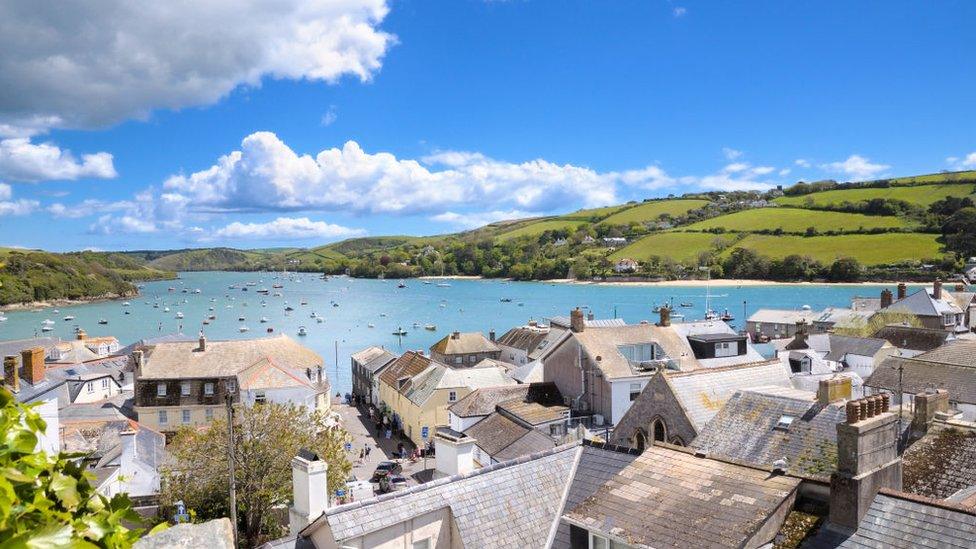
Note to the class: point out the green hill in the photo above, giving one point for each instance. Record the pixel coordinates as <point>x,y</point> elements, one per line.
<point>797,220</point>
<point>923,195</point>
<point>651,211</point>
<point>869,249</point>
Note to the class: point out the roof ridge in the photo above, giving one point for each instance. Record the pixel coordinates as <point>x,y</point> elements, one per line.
<point>941,503</point>
<point>731,367</point>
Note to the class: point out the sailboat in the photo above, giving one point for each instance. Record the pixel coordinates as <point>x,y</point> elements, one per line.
<point>709,313</point>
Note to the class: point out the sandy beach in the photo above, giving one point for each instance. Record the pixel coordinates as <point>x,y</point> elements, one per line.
<point>721,282</point>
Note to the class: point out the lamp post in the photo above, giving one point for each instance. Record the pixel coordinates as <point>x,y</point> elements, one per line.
<point>229,399</point>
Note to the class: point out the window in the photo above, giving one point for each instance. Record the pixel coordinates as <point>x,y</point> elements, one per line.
<point>208,389</point>
<point>635,391</point>
<point>260,397</point>
<point>784,423</point>
<point>231,386</point>
<point>186,416</point>
<point>458,359</point>
<point>162,417</point>
<point>422,544</point>
<point>208,413</point>
<point>91,387</point>
<point>161,389</point>
<point>557,429</point>
<point>452,396</point>
<point>472,359</point>
<point>598,542</point>
<point>638,353</point>
<point>185,388</point>
<point>660,430</point>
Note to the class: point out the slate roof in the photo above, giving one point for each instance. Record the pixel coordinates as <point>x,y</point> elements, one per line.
<point>408,365</point>
<point>668,497</point>
<point>783,316</point>
<point>702,393</point>
<point>464,343</point>
<point>15,346</point>
<point>817,342</point>
<point>604,343</point>
<point>509,504</point>
<point>597,465</point>
<point>380,361</point>
<point>841,346</point>
<point>746,429</point>
<point>530,372</point>
<point>180,359</point>
<point>535,413</point>
<point>940,464</point>
<point>922,303</point>
<point>65,381</point>
<point>916,339</point>
<point>900,522</point>
<point>839,317</point>
<point>709,329</point>
<point>438,376</point>
<point>951,367</point>
<point>496,433</point>
<point>564,322</point>
<point>482,402</point>
<point>526,338</point>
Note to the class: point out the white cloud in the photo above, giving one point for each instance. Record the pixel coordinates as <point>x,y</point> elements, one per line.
<point>731,154</point>
<point>330,116</point>
<point>479,219</point>
<point>85,65</point>
<point>856,167</point>
<point>8,206</point>
<point>801,162</point>
<point>967,162</point>
<point>5,191</point>
<point>679,11</point>
<point>736,167</point>
<point>784,172</point>
<point>22,160</point>
<point>763,170</point>
<point>284,228</point>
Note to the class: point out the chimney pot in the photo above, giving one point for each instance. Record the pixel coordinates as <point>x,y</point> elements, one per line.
<point>455,335</point>
<point>10,375</point>
<point>203,342</point>
<point>862,412</point>
<point>886,298</point>
<point>902,290</point>
<point>937,288</point>
<point>885,402</point>
<point>576,320</point>
<point>33,362</point>
<point>853,412</point>
<point>81,335</point>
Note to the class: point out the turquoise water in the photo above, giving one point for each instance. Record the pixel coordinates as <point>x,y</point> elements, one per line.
<point>467,305</point>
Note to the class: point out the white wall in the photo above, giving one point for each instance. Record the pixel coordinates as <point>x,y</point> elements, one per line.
<point>620,398</point>
<point>461,424</point>
<point>98,393</point>
<point>512,355</point>
<point>50,439</point>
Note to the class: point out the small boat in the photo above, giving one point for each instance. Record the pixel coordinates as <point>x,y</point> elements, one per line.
<point>425,282</point>
<point>197,291</point>
<point>416,324</point>
<point>319,319</point>
<point>383,315</point>
<point>727,316</point>
<point>302,331</point>
<point>243,329</point>
<point>270,330</point>
<point>289,308</point>
<point>241,319</point>
<point>56,311</point>
<point>179,314</point>
<point>206,322</point>
<point>276,294</point>
<point>686,304</point>
<point>521,304</point>
<point>210,308</point>
<point>442,305</point>
<point>171,289</point>
<point>443,285</point>
<point>47,328</point>
<point>370,325</point>
<point>303,302</point>
<point>48,322</point>
<point>400,332</point>
<point>69,318</point>
<point>165,309</point>
<point>264,320</point>
<point>127,312</point>
<point>155,305</point>
<point>263,291</point>
<point>430,327</point>
<point>125,303</point>
<point>184,290</point>
<point>212,317</point>
<point>277,286</point>
<point>401,284</point>
<point>506,300</point>
<point>335,304</point>
<point>244,289</point>
<point>102,321</point>
<point>252,284</point>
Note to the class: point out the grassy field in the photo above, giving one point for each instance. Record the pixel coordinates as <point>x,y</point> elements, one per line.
<point>869,249</point>
<point>535,229</point>
<point>595,213</point>
<point>797,220</point>
<point>922,195</point>
<point>650,211</point>
<point>935,178</point>
<point>676,245</point>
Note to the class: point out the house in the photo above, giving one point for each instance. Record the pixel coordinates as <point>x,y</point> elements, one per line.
<point>834,318</point>
<point>911,341</point>
<point>614,241</point>
<point>518,343</point>
<point>83,349</point>
<point>588,240</point>
<point>417,391</point>
<point>763,425</point>
<point>674,407</point>
<point>499,438</point>
<point>130,460</point>
<point>778,323</point>
<point>465,349</point>
<point>602,366</point>
<point>951,367</point>
<point>595,495</point>
<point>935,309</point>
<point>185,383</point>
<point>366,366</point>
<point>626,265</point>
<point>860,355</point>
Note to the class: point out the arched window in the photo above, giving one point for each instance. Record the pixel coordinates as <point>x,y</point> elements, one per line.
<point>640,440</point>
<point>677,441</point>
<point>660,430</point>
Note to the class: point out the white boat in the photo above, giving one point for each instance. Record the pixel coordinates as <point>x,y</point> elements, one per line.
<point>47,328</point>
<point>102,321</point>
<point>243,329</point>
<point>69,318</point>
<point>400,332</point>
<point>319,319</point>
<point>47,322</point>
<point>302,331</point>
<point>179,314</point>
<point>197,291</point>
<point>443,285</point>
<point>431,328</point>
<point>264,320</point>
<point>165,309</point>
<point>56,311</point>
<point>370,325</point>
<point>3,318</point>
<point>125,304</point>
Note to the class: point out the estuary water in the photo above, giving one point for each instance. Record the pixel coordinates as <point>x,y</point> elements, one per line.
<point>359,312</point>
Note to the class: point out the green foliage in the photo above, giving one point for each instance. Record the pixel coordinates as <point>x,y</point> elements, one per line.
<point>795,220</point>
<point>960,231</point>
<point>50,501</point>
<point>267,437</point>
<point>922,195</point>
<point>846,269</point>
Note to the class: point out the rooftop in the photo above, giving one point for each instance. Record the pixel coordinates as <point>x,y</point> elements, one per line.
<point>526,338</point>
<point>482,402</point>
<point>917,339</point>
<point>941,464</point>
<point>464,343</point>
<point>502,438</point>
<point>702,393</point>
<point>951,367</point>
<point>183,359</point>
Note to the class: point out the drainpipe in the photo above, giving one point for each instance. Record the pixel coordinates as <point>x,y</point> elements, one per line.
<point>579,361</point>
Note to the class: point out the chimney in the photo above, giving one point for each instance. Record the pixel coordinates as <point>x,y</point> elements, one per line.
<point>800,336</point>
<point>33,362</point>
<point>926,406</point>
<point>665,317</point>
<point>867,460</point>
<point>80,335</point>
<point>455,335</point>
<point>833,390</point>
<point>137,362</point>
<point>937,289</point>
<point>203,342</point>
<point>491,335</point>
<point>10,377</point>
<point>960,287</point>
<point>902,290</point>
<point>454,453</point>
<point>310,488</point>
<point>576,322</point>
<point>886,298</point>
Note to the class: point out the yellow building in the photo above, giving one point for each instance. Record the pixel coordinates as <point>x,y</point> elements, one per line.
<point>418,390</point>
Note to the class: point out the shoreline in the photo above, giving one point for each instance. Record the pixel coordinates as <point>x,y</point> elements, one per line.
<point>718,282</point>
<point>64,302</point>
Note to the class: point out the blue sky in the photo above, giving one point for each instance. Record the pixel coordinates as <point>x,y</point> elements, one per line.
<point>248,124</point>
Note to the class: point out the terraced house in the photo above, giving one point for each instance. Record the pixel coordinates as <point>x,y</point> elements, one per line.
<point>186,383</point>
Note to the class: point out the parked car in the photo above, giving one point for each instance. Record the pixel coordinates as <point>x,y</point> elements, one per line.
<point>386,468</point>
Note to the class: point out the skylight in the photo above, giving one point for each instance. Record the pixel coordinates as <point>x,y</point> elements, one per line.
<point>784,422</point>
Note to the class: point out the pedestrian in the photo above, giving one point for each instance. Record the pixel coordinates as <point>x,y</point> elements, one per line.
<point>362,454</point>
<point>368,449</point>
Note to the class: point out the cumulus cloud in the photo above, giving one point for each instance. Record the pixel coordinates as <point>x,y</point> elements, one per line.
<point>964,163</point>
<point>478,219</point>
<point>679,11</point>
<point>284,228</point>
<point>22,160</point>
<point>8,206</point>
<point>5,191</point>
<point>856,167</point>
<point>82,64</point>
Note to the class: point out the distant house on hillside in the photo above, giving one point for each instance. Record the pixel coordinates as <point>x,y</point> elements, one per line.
<point>626,265</point>
<point>614,241</point>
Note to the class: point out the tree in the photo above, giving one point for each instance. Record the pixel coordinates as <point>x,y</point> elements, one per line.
<point>861,328</point>
<point>960,231</point>
<point>266,438</point>
<point>50,501</point>
<point>845,269</point>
